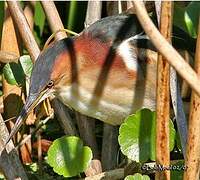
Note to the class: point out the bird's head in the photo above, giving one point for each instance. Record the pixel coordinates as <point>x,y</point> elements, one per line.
<point>51,70</point>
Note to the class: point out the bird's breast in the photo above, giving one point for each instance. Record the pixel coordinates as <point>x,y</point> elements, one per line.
<point>85,102</point>
<point>108,97</point>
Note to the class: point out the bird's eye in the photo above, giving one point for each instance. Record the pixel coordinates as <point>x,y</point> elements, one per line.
<point>50,84</point>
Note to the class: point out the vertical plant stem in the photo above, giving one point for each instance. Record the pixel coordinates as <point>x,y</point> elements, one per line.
<point>53,19</point>
<point>158,10</point>
<point>72,11</point>
<point>112,8</point>
<point>86,126</point>
<point>93,12</point>
<point>63,116</point>
<point>162,120</point>
<point>193,145</point>
<point>24,29</point>
<point>110,147</point>
<point>185,88</point>
<point>29,14</point>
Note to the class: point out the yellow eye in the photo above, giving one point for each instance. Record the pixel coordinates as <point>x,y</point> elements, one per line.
<point>50,84</point>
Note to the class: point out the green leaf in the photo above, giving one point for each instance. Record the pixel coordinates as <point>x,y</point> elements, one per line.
<point>178,18</point>
<point>39,17</point>
<point>33,167</point>
<point>137,176</point>
<point>15,73</point>
<point>72,12</point>
<point>26,64</point>
<point>192,14</point>
<point>187,18</point>
<point>68,156</point>
<point>178,169</point>
<point>137,136</point>
<point>75,15</point>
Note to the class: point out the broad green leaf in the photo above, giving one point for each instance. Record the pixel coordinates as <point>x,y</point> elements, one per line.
<point>192,14</point>
<point>68,156</point>
<point>39,17</point>
<point>177,170</point>
<point>26,64</point>
<point>15,73</point>
<point>137,136</point>
<point>137,176</point>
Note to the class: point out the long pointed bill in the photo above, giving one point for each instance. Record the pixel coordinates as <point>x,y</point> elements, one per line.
<point>31,102</point>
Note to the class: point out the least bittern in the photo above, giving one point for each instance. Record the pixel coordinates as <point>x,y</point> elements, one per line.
<point>107,72</point>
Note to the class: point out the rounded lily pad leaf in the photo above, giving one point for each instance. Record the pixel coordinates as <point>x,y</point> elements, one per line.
<point>137,136</point>
<point>137,176</point>
<point>26,65</point>
<point>68,156</point>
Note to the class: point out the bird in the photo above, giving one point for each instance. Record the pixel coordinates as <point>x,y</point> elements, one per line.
<point>107,72</point>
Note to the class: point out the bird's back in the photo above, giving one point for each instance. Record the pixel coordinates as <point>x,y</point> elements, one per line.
<point>115,28</point>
